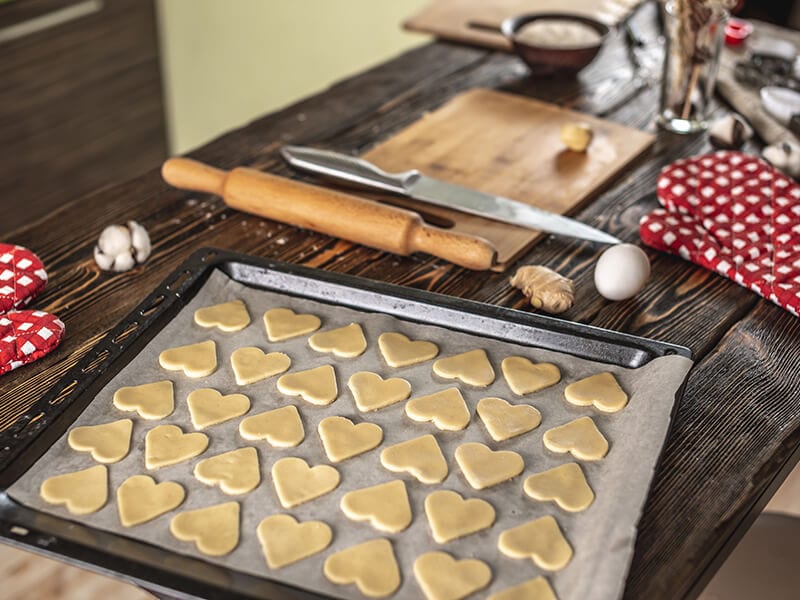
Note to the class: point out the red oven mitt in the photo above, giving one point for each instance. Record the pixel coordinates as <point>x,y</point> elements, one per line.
<point>22,276</point>
<point>736,215</point>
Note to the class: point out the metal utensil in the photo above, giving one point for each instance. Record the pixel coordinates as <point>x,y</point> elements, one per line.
<point>414,184</point>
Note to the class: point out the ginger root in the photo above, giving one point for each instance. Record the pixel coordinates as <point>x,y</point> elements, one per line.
<point>545,288</point>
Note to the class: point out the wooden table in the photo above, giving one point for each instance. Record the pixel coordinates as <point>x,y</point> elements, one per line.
<point>738,429</point>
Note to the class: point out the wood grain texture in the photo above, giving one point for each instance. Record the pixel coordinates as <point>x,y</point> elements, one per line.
<point>510,146</point>
<point>80,105</point>
<point>739,422</point>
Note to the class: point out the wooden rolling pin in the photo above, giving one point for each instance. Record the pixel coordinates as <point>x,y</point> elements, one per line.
<point>329,212</point>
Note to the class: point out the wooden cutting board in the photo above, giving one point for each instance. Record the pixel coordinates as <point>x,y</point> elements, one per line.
<point>471,21</point>
<point>508,145</point>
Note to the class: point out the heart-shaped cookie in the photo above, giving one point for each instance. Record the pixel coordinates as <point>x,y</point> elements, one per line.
<point>534,589</point>
<point>83,492</point>
<point>504,420</point>
<point>235,472</point>
<point>446,409</point>
<point>284,541</point>
<point>580,437</point>
<point>450,516</point>
<point>565,484</point>
<point>472,368</point>
<point>399,351</point>
<point>195,360</point>
<point>371,391</point>
<point>370,565</point>
<point>108,443</point>
<point>317,385</point>
<point>484,467</point>
<point>209,407</point>
<point>602,390</point>
<point>281,427</point>
<point>295,482</point>
<point>167,445</point>
<point>385,506</point>
<point>140,499</point>
<point>151,400</point>
<point>214,530</point>
<point>228,316</point>
<point>442,577</point>
<point>421,457</point>
<point>26,336</point>
<point>251,364</point>
<point>283,324</point>
<point>22,277</point>
<point>540,540</point>
<point>342,439</point>
<point>525,377</point>
<point>346,342</point>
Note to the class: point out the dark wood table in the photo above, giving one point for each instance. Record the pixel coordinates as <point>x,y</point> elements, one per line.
<point>737,432</point>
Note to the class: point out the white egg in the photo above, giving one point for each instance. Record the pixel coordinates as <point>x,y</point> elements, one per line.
<point>621,272</point>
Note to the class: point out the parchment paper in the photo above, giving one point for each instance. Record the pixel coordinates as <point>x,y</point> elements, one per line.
<point>602,536</point>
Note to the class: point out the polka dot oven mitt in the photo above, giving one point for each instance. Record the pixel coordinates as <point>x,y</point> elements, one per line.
<point>25,335</point>
<point>736,215</point>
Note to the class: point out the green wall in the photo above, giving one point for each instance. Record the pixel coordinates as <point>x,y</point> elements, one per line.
<point>226,62</point>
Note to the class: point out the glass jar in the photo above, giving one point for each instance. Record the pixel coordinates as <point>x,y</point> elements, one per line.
<point>694,33</point>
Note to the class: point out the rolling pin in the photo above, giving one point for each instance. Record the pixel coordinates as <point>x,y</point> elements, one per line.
<point>332,213</point>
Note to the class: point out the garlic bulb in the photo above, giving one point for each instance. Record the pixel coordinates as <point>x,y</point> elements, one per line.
<point>121,247</point>
<point>784,156</point>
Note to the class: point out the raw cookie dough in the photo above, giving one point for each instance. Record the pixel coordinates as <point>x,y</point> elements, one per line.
<point>251,364</point>
<point>385,506</point>
<point>317,385</point>
<point>236,472</point>
<point>285,541</point>
<point>399,351</point>
<point>580,437</point>
<point>140,499</point>
<point>504,420</point>
<point>446,409</point>
<point>442,577</point>
<point>371,391</point>
<point>342,439</point>
<point>472,368</point>
<point>565,484</point>
<point>346,342</point>
<point>228,316</point>
<point>602,390</point>
<point>421,457</point>
<point>295,482</point>
<point>167,445</point>
<point>283,324</point>
<point>484,467</point>
<point>83,491</point>
<point>371,565</point>
<point>195,360</point>
<point>214,530</point>
<point>209,407</point>
<point>108,443</point>
<point>525,377</point>
<point>450,516</point>
<point>533,589</point>
<point>540,540</point>
<point>281,427</point>
<point>151,400</point>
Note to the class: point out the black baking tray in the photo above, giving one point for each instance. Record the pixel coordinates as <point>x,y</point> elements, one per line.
<point>169,574</point>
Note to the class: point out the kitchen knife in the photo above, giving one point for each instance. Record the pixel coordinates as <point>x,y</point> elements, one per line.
<point>414,184</point>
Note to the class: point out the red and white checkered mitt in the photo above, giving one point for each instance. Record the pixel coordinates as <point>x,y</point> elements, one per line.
<point>27,335</point>
<point>736,215</point>
<point>22,276</point>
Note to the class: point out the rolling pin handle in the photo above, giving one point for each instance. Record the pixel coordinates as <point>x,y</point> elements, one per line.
<point>186,173</point>
<point>470,252</point>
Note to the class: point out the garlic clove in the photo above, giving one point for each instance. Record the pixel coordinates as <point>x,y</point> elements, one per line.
<point>784,156</point>
<point>115,240</point>
<point>729,132</point>
<point>123,262</point>
<point>140,241</point>
<point>104,261</point>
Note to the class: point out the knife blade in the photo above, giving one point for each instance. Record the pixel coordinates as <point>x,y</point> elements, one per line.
<point>414,184</point>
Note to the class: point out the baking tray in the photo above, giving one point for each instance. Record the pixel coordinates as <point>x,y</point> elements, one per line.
<point>181,576</point>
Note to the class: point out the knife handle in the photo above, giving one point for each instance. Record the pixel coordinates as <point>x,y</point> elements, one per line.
<point>347,168</point>
<point>333,213</point>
